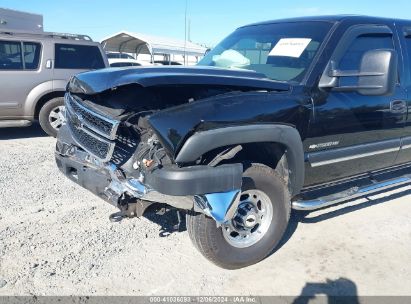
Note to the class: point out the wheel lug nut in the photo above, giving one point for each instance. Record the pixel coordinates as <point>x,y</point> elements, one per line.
<point>238,219</point>
<point>242,211</point>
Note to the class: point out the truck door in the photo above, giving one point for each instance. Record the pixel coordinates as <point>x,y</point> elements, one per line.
<point>20,71</point>
<point>352,133</point>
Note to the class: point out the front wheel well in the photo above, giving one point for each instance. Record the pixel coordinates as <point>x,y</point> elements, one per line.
<point>44,99</point>
<point>263,142</point>
<point>271,154</point>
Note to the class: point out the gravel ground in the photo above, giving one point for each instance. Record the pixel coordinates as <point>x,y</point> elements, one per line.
<point>56,239</point>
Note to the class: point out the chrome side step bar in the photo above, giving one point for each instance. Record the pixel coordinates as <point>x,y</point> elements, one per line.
<point>352,193</point>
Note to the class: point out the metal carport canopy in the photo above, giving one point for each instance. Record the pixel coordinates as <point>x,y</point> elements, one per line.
<point>128,42</point>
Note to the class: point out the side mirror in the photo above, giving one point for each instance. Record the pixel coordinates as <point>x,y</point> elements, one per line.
<point>380,71</point>
<point>377,75</point>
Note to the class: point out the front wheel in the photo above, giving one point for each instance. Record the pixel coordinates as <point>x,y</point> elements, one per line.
<point>51,116</point>
<point>256,228</point>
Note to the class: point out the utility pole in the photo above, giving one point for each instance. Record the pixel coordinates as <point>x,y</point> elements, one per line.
<point>185,34</point>
<point>189,30</point>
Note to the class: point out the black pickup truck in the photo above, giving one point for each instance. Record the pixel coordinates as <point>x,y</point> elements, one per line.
<point>298,114</point>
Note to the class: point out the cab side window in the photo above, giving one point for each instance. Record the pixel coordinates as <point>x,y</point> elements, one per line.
<point>351,59</point>
<point>362,44</point>
<point>407,39</point>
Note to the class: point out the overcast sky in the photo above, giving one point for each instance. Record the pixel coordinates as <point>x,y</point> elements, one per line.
<point>211,20</point>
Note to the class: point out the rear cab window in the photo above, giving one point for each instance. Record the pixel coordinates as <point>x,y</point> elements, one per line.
<point>19,55</point>
<point>73,56</point>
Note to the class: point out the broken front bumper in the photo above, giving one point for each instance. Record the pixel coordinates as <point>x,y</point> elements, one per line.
<point>211,190</point>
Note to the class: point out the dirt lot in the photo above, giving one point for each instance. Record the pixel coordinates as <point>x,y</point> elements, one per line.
<point>56,239</point>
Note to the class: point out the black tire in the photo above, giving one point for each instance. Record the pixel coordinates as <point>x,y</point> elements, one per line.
<point>209,239</point>
<point>45,112</point>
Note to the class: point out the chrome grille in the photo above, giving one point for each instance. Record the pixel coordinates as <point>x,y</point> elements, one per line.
<point>98,123</point>
<point>91,131</point>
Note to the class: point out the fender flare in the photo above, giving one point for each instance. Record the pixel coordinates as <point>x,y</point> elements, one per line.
<point>205,141</point>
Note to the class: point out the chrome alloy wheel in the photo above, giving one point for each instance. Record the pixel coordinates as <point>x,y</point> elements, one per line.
<point>57,117</point>
<point>251,220</point>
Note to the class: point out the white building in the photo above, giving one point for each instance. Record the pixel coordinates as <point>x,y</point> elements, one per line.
<point>11,20</point>
<point>152,48</point>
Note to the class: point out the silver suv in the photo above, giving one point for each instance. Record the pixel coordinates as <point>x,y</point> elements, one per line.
<point>34,71</point>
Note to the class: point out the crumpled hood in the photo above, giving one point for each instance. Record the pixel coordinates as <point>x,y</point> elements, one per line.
<point>95,82</point>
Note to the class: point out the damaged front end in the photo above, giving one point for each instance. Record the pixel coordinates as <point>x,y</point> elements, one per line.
<point>126,127</point>
<point>122,161</point>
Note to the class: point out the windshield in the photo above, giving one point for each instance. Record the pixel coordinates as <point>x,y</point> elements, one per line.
<point>281,51</point>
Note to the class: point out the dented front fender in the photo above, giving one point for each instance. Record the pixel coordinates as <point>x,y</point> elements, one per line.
<point>175,125</point>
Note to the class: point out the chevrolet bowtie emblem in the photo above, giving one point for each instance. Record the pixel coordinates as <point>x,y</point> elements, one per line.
<point>77,120</point>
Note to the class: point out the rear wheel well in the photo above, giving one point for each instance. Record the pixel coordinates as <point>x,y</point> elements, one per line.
<point>43,100</point>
